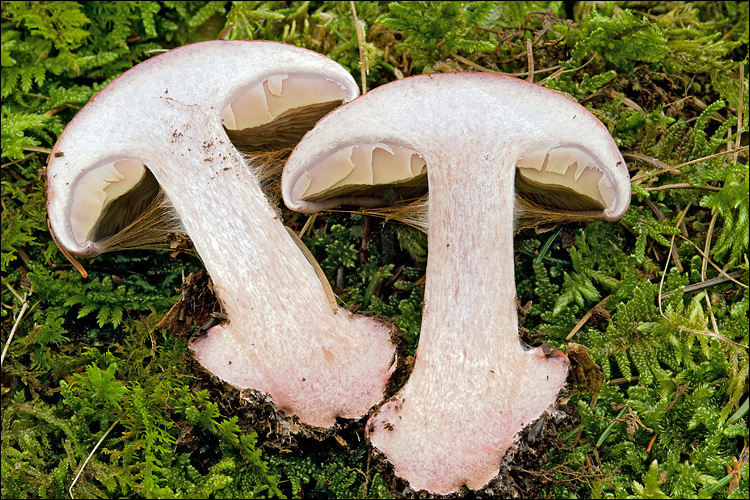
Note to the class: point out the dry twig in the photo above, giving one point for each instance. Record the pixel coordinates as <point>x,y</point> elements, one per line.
<point>586,317</point>
<point>361,43</point>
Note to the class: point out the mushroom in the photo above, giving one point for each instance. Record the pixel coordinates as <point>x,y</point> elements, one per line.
<point>478,138</point>
<point>165,124</point>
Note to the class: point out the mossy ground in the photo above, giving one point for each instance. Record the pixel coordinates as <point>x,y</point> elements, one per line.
<point>666,417</point>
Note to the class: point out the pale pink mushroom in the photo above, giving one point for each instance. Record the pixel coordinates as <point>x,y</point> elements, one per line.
<point>478,138</point>
<point>164,125</point>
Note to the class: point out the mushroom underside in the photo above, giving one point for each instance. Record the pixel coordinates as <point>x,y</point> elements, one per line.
<point>121,205</point>
<point>560,184</point>
<point>554,196</point>
<point>124,210</point>
<point>284,131</point>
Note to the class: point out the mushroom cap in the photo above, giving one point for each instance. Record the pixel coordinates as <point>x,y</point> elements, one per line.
<point>102,153</point>
<point>393,131</point>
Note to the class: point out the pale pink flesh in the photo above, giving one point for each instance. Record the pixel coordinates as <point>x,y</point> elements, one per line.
<point>473,387</point>
<point>493,387</point>
<point>282,338</point>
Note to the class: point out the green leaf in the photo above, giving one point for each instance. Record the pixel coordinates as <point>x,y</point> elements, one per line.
<point>104,385</point>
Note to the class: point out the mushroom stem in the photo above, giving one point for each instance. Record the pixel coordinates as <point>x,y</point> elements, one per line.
<point>469,324</point>
<point>270,292</point>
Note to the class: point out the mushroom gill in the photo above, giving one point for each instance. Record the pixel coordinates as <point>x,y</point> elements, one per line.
<point>364,170</point>
<point>276,112</point>
<point>560,185</point>
<point>119,206</point>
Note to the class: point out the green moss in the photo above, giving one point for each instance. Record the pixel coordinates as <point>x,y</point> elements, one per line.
<point>671,418</point>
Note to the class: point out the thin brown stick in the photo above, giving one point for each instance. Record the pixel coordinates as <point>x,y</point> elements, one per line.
<point>704,264</point>
<point>38,96</point>
<point>675,257</point>
<point>684,328</point>
<point>361,43</point>
<point>628,102</point>
<point>681,389</point>
<point>498,32</point>
<point>715,155</point>
<point>476,66</point>
<point>530,59</point>
<point>71,258</point>
<point>620,381</point>
<point>226,31</point>
<point>308,224</point>
<point>21,313</point>
<point>70,490</point>
<point>58,109</point>
<point>721,271</point>
<point>554,75</point>
<point>683,185</point>
<point>652,161</point>
<point>738,140</point>
<point>681,222</point>
<point>585,318</point>
<point>677,167</point>
<point>155,51</point>
<point>38,150</point>
<point>17,162</point>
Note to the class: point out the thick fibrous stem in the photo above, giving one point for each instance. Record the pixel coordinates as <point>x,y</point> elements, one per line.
<point>283,337</point>
<point>474,385</point>
<point>168,115</point>
<point>472,375</point>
